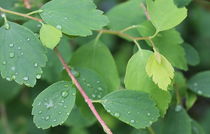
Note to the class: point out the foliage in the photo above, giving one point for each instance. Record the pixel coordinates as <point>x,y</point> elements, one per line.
<point>111,66</point>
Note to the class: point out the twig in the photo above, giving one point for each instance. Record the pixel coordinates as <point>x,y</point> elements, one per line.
<point>27,4</point>
<point>20,14</point>
<point>145,11</point>
<point>86,98</point>
<point>4,119</point>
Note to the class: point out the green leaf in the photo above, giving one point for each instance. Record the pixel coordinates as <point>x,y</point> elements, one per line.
<point>191,98</point>
<point>21,55</point>
<point>53,106</point>
<point>97,57</point>
<point>168,43</point>
<point>200,83</point>
<point>50,36</point>
<point>92,83</point>
<point>182,3</point>
<point>72,17</point>
<point>165,17</point>
<point>133,12</point>
<point>132,107</point>
<point>160,70</point>
<point>77,130</point>
<point>180,83</point>
<point>192,55</point>
<point>8,90</point>
<point>136,78</point>
<point>176,121</point>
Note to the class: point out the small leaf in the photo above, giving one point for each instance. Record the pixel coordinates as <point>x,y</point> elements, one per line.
<point>136,78</point>
<point>160,69</point>
<point>53,106</point>
<point>21,54</point>
<point>165,17</point>
<point>132,107</point>
<point>190,99</point>
<point>97,57</point>
<point>200,83</point>
<point>74,17</point>
<point>50,36</point>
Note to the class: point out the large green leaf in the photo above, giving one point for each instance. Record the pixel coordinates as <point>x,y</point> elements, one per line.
<point>132,107</point>
<point>132,11</point>
<point>74,17</point>
<point>8,90</point>
<point>168,43</point>
<point>197,128</point>
<point>165,14</point>
<point>136,78</point>
<point>97,57</point>
<point>21,55</point>
<point>53,106</point>
<point>200,83</point>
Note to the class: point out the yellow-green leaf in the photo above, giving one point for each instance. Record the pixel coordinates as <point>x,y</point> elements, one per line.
<point>50,36</point>
<point>160,69</point>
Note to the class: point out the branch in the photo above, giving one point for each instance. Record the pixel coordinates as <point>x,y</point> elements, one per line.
<point>20,14</point>
<point>27,4</point>
<point>86,98</point>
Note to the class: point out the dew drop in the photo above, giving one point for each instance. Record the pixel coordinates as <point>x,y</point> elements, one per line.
<point>129,112</point>
<point>21,53</point>
<point>88,85</point>
<point>13,77</point>
<point>132,121</point>
<point>148,114</point>
<point>4,62</point>
<point>117,115</point>
<point>200,92</point>
<point>38,76</point>
<point>40,112</point>
<point>150,122</point>
<point>64,94</point>
<point>68,114</point>
<point>108,111</point>
<point>19,48</point>
<point>8,79</point>
<point>93,95</point>
<point>28,39</point>
<point>25,78</point>
<point>59,27</point>
<point>13,68</point>
<point>11,55</point>
<point>75,73</point>
<point>54,120</point>
<point>73,94</point>
<point>11,45</point>
<point>66,18</point>
<point>36,65</point>
<point>65,106</point>
<point>178,108</point>
<point>59,112</point>
<point>99,88</point>
<point>195,84</point>
<point>98,82</point>
<point>49,104</point>
<point>47,118</point>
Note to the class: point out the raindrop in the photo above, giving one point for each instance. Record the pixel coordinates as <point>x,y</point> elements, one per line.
<point>65,106</point>
<point>21,53</point>
<point>13,68</point>
<point>99,88</point>
<point>36,65</point>
<point>40,112</point>
<point>39,25</point>
<point>75,73</point>
<point>68,114</point>
<point>73,94</point>
<point>178,108</point>
<point>150,122</point>
<point>66,18</point>
<point>108,111</point>
<point>88,85</point>
<point>59,112</point>
<point>148,114</point>
<point>28,39</point>
<point>195,84</point>
<point>47,118</point>
<point>59,27</point>
<point>117,115</point>
<point>98,82</point>
<point>129,112</point>
<point>93,95</point>
<point>11,55</point>
<point>39,103</point>
<point>8,79</point>
<point>11,45</point>
<point>49,104</point>
<point>4,62</point>
<point>200,92</point>
<point>64,94</point>
<point>132,121</point>
<point>25,78</point>
<point>55,120</point>
<point>62,101</point>
<point>19,48</point>
<point>38,76</point>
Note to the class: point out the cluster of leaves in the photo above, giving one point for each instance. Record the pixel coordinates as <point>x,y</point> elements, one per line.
<point>143,86</point>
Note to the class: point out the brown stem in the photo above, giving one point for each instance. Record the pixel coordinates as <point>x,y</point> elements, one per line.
<point>118,33</point>
<point>86,98</point>
<point>20,14</point>
<point>27,4</point>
